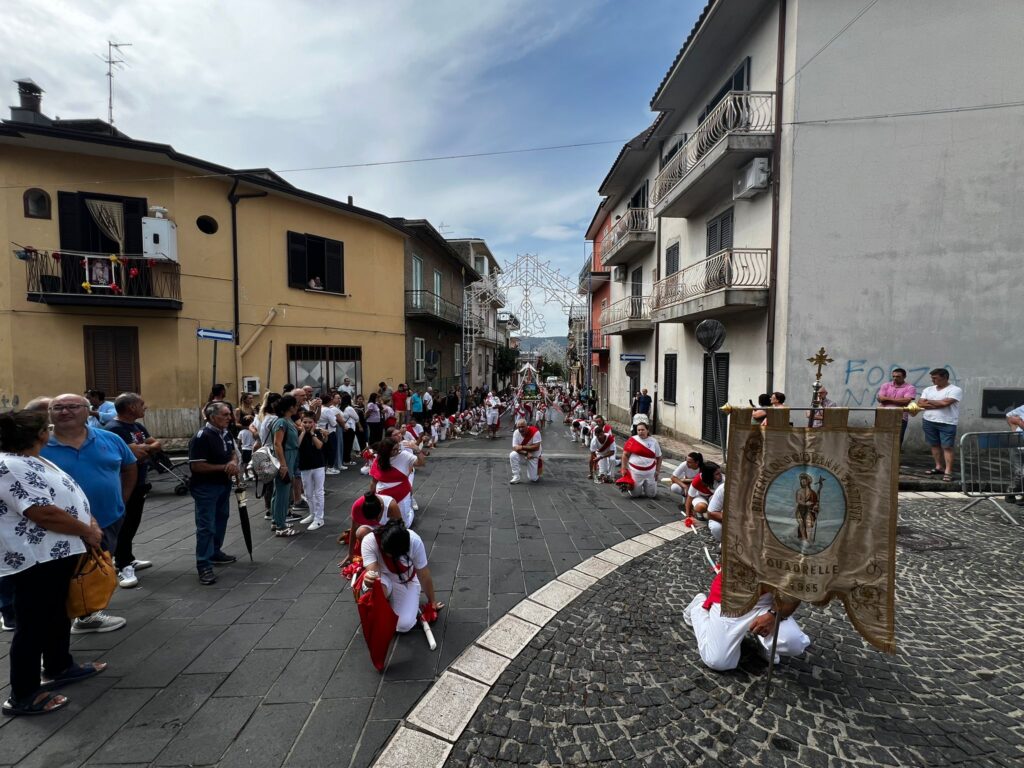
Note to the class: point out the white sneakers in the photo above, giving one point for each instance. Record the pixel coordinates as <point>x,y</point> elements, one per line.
<point>126,578</point>
<point>513,481</point>
<point>332,471</point>
<point>306,520</point>
<point>315,524</point>
<point>97,622</point>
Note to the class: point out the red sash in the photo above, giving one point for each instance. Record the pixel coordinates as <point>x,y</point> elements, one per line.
<point>530,432</point>
<point>398,484</point>
<point>698,484</point>
<point>636,448</point>
<point>714,593</point>
<point>609,438</point>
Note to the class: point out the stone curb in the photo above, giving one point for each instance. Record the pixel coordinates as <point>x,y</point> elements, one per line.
<point>430,730</point>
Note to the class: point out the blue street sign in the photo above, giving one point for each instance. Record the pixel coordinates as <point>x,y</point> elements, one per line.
<point>632,358</point>
<point>212,334</point>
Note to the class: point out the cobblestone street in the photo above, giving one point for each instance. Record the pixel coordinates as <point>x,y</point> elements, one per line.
<point>614,678</point>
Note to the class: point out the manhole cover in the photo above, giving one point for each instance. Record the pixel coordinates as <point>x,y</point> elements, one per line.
<point>922,541</point>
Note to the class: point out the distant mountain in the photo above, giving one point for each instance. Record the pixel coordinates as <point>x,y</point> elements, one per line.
<point>533,343</point>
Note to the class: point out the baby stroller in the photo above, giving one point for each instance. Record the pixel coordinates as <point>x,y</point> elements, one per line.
<point>164,464</point>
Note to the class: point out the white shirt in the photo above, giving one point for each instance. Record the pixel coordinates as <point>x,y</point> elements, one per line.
<point>428,401</point>
<point>517,440</point>
<point>683,472</point>
<point>351,417</point>
<point>717,503</point>
<point>329,419</point>
<point>1019,413</point>
<point>641,462</point>
<point>492,403</point>
<point>25,482</point>
<point>371,554</point>
<point>951,413</point>
<point>348,388</point>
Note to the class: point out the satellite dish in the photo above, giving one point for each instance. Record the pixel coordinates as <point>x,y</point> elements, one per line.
<point>710,335</point>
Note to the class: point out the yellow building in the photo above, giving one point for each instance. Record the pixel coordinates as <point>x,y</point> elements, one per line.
<point>122,250</point>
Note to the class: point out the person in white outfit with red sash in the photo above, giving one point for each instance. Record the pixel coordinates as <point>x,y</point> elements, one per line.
<point>641,462</point>
<point>602,448</point>
<point>390,476</point>
<point>526,452</point>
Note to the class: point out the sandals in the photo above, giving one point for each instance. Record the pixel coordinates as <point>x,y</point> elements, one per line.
<point>935,471</point>
<point>286,532</point>
<point>73,674</point>
<point>41,704</point>
<point>947,478</point>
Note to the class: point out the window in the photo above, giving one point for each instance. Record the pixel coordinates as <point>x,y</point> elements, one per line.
<point>37,204</point>
<point>639,198</point>
<point>207,225</point>
<point>480,265</point>
<point>79,230</point>
<point>669,395</point>
<point>672,259</point>
<point>738,82</point>
<point>720,232</point>
<point>324,367</point>
<point>437,292</point>
<point>457,361</point>
<point>112,359</point>
<point>316,263</point>
<point>419,354</point>
<point>417,282</point>
<point>673,149</point>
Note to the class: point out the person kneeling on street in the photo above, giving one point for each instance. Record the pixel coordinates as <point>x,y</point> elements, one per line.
<point>526,451</point>
<point>719,637</point>
<point>396,556</point>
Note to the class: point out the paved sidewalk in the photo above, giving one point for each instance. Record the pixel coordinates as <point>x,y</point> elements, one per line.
<point>614,678</point>
<point>267,667</point>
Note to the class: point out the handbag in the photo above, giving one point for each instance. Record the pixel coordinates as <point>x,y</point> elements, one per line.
<point>264,464</point>
<point>92,584</point>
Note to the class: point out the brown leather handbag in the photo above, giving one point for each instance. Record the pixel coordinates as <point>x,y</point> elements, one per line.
<point>93,583</point>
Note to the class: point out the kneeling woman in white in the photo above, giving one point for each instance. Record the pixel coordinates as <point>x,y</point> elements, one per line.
<point>719,637</point>
<point>702,487</point>
<point>641,458</point>
<point>526,451</point>
<point>398,558</point>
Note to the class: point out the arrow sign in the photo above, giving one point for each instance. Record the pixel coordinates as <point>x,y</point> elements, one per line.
<point>212,334</point>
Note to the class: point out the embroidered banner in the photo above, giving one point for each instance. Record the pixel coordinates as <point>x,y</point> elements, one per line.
<point>811,514</point>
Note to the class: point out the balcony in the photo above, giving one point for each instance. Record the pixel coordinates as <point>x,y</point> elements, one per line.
<point>629,315</point>
<point>427,305</point>
<point>733,280</point>
<point>631,235</point>
<point>590,278</point>
<point>739,129</point>
<point>79,279</point>
<point>510,320</point>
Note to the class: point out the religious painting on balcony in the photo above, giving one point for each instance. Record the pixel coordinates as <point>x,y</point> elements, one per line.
<point>100,273</point>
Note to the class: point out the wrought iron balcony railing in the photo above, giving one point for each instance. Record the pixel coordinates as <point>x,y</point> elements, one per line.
<point>419,302</point>
<point>633,221</point>
<point>743,112</point>
<point>629,308</point>
<point>81,278</point>
<point>731,268</point>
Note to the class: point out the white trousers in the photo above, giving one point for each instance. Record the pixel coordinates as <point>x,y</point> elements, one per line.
<point>404,598</point>
<point>677,489</point>
<point>645,483</point>
<point>405,507</point>
<point>519,461</point>
<point>719,637</point>
<point>606,463</point>
<point>313,488</point>
<point>492,416</point>
<point>716,529</point>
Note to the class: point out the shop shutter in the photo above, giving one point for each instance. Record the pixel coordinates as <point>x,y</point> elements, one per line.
<point>334,266</point>
<point>296,260</point>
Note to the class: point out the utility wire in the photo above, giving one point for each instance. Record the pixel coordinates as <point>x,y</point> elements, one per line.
<point>915,113</point>
<point>834,37</point>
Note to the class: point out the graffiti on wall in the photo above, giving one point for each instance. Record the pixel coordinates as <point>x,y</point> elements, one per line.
<point>862,378</point>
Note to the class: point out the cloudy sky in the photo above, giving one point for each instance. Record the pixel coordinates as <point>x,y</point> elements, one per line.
<point>291,85</point>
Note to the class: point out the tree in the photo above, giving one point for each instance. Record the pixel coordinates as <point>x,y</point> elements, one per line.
<point>552,368</point>
<point>506,362</point>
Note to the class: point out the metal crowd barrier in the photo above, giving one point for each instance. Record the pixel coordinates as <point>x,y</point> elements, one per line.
<point>992,466</point>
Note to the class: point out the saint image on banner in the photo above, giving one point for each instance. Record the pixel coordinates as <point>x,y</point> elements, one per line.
<point>811,514</point>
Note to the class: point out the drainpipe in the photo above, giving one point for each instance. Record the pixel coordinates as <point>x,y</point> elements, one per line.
<point>773,269</point>
<point>233,199</point>
<point>657,328</point>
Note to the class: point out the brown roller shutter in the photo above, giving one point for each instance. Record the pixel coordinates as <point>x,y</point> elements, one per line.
<point>112,359</point>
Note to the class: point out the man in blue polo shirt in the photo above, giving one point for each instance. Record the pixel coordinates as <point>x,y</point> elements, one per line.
<point>101,463</point>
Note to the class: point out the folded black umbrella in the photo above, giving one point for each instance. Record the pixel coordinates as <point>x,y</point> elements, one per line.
<point>243,515</point>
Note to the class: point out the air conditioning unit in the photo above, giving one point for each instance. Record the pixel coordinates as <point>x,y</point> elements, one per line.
<point>159,238</point>
<point>751,179</point>
<point>619,274</point>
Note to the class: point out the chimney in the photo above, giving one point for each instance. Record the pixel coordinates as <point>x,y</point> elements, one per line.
<point>350,199</point>
<point>31,95</point>
<point>30,108</point>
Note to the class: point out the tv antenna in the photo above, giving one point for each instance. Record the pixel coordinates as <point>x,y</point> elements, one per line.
<point>113,62</point>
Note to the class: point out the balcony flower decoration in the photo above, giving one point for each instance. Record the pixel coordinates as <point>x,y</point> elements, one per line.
<point>133,272</point>
<point>28,253</point>
<point>55,255</point>
<point>115,289</point>
<point>87,286</point>
<point>114,259</point>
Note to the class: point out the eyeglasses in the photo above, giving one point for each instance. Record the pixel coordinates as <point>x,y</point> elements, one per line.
<point>59,408</point>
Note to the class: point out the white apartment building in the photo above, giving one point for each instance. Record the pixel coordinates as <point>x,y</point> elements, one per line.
<point>817,176</point>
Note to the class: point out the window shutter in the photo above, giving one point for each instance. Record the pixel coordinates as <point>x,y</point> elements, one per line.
<point>134,209</point>
<point>112,359</point>
<point>672,259</point>
<point>714,236</point>
<point>334,272</point>
<point>710,430</point>
<point>297,260</point>
<point>726,230</point>
<point>670,378</point>
<point>69,212</point>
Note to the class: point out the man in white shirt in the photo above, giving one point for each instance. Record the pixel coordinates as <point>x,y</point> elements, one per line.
<point>346,387</point>
<point>526,451</point>
<point>1015,419</point>
<point>941,403</point>
<point>492,402</point>
<point>428,403</point>
<point>328,422</point>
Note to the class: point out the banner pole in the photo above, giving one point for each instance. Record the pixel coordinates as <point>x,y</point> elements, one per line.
<point>771,658</point>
